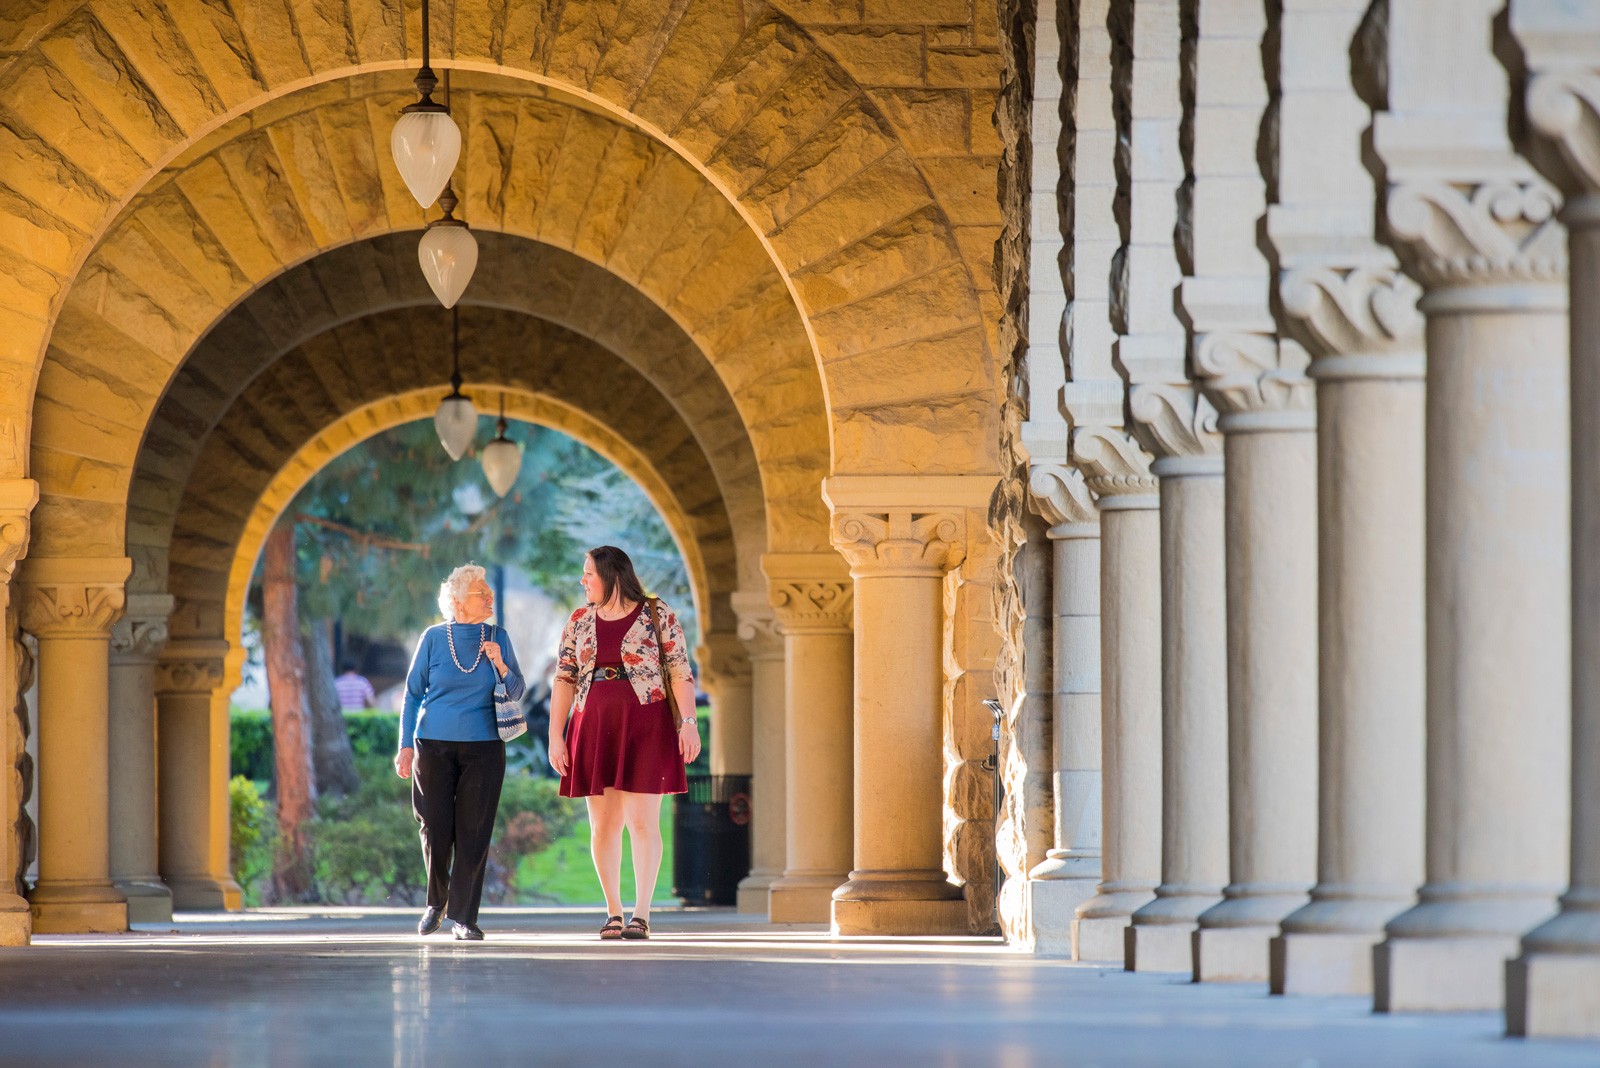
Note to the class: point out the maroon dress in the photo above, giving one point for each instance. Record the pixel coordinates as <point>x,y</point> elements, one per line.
<point>615,741</point>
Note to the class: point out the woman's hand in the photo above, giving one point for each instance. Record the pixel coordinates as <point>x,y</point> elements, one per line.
<point>402,762</point>
<point>492,651</point>
<point>689,740</point>
<point>557,750</point>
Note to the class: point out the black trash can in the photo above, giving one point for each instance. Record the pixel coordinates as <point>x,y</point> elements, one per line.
<point>711,839</point>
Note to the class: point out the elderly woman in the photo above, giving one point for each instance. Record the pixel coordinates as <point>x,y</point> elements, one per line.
<point>450,749</point>
<point>626,748</point>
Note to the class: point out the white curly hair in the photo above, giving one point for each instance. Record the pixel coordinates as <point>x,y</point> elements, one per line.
<point>454,588</point>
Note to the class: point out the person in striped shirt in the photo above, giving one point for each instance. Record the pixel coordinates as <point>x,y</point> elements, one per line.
<point>354,690</point>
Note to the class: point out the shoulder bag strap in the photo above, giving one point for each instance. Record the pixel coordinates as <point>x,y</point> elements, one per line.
<point>661,661</point>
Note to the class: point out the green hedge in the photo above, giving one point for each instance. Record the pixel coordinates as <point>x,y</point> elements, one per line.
<point>250,741</point>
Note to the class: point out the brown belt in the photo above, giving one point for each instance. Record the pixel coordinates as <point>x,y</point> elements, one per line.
<point>609,673</point>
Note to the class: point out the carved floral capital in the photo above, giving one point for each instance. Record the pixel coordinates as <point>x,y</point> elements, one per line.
<point>1369,311</point>
<point>188,675</point>
<point>1247,372</point>
<point>803,605</point>
<point>1175,420</point>
<point>142,630</point>
<point>1563,106</point>
<point>899,542</point>
<point>1498,232</point>
<point>71,609</point>
<point>1061,496</point>
<point>1113,463</point>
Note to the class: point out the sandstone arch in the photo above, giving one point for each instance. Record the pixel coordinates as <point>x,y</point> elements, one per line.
<point>882,228</point>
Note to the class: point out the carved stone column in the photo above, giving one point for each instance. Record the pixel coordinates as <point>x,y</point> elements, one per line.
<point>1067,877</point>
<point>136,640</point>
<point>70,605</point>
<point>17,498</point>
<point>813,601</point>
<point>725,677</point>
<point>1130,676</point>
<point>1476,226</point>
<point>900,536</point>
<point>763,642</point>
<point>1553,988</point>
<point>1342,295</point>
<point>190,740</point>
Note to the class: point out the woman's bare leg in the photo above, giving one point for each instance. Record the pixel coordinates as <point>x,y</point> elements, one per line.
<point>605,845</point>
<point>642,814</point>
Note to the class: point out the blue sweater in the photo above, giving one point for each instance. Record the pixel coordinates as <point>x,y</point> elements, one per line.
<point>446,704</point>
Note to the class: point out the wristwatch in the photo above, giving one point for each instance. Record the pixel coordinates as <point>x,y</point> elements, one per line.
<point>686,719</point>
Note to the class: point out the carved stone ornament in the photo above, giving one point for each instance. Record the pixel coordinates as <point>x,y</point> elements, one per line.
<point>1112,462</point>
<point>136,638</point>
<point>187,675</point>
<point>1564,107</point>
<point>71,609</point>
<point>1498,232</point>
<point>1360,310</point>
<point>803,605</point>
<point>13,540</point>
<point>1245,372</point>
<point>761,634</point>
<point>1061,496</point>
<point>900,542</point>
<point>1175,420</point>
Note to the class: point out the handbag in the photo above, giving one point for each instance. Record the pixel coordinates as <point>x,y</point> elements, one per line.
<point>508,717</point>
<point>661,662</point>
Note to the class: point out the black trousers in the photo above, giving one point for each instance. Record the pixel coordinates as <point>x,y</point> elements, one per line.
<point>455,791</point>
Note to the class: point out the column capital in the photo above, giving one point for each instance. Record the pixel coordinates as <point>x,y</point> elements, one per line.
<point>1176,421</point>
<point>1116,467</point>
<point>192,666</point>
<point>904,524</point>
<point>17,499</point>
<point>1257,381</point>
<point>1561,48</point>
<point>810,593</point>
<point>1060,495</point>
<point>723,661</point>
<point>758,624</point>
<point>138,636</point>
<point>1492,234</point>
<point>73,597</point>
<point>1359,322</point>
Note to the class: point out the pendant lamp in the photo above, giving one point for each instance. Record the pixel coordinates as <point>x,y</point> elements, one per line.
<point>448,253</point>
<point>456,421</point>
<point>426,142</point>
<point>501,458</point>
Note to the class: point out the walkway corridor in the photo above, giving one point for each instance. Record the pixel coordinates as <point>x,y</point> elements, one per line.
<point>291,988</point>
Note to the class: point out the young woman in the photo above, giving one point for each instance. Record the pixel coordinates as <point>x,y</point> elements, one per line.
<point>624,749</point>
<point>451,750</point>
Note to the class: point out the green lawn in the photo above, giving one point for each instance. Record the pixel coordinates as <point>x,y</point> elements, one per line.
<point>564,874</point>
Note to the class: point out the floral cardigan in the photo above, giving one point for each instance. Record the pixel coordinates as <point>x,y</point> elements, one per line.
<point>575,662</point>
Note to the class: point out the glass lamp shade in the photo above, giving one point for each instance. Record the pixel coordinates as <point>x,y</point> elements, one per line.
<point>426,146</point>
<point>501,462</point>
<point>456,422</point>
<point>449,255</point>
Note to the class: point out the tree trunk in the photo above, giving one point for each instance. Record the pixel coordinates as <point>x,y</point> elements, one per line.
<point>291,720</point>
<point>331,756</point>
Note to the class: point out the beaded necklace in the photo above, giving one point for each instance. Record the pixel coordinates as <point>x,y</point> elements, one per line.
<point>450,633</point>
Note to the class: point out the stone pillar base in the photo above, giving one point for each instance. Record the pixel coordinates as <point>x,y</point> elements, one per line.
<point>754,899</point>
<point>16,921</point>
<point>1321,963</point>
<point>149,900</point>
<point>78,910</point>
<point>1553,995</point>
<point>900,917</point>
<point>1165,947</point>
<point>1440,974</point>
<point>204,894</point>
<point>1231,954</point>
<point>802,898</point>
<point>1100,938</point>
<point>1052,907</point>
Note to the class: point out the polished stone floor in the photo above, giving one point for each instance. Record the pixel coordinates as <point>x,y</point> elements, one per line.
<point>286,988</point>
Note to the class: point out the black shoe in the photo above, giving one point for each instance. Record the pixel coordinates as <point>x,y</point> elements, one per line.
<point>468,932</point>
<point>431,919</point>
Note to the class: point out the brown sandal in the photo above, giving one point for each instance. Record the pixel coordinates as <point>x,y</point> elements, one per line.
<point>637,930</point>
<point>612,930</point>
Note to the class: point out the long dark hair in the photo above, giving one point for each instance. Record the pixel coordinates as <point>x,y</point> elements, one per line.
<point>616,574</point>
